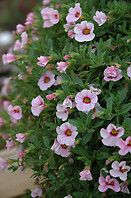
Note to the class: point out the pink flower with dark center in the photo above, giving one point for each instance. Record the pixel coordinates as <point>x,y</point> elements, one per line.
<point>120,170</point>
<point>61,149</point>
<point>50,96</point>
<point>20,137</point>
<point>85,100</point>
<point>74,13</point>
<point>100,17</point>
<point>125,146</point>
<point>66,134</point>
<point>36,192</point>
<point>8,58</point>
<point>129,72</point>
<point>24,39</point>
<point>1,121</point>
<point>62,112</point>
<point>3,163</point>
<point>85,175</point>
<point>124,187</point>
<point>62,66</point>
<point>66,56</point>
<point>17,45</point>
<point>108,183</point>
<point>37,105</point>
<point>20,28</point>
<point>43,60</point>
<point>50,17</point>
<point>112,74</point>
<point>10,144</point>
<point>30,19</point>
<point>111,135</point>
<point>68,196</point>
<point>46,80</point>
<point>84,31</point>
<point>15,112</point>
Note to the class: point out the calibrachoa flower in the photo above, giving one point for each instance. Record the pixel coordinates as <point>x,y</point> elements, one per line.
<point>15,112</point>
<point>24,39</point>
<point>95,110</point>
<point>8,58</point>
<point>61,149</point>
<point>46,80</point>
<point>111,135</point>
<point>20,28</point>
<point>20,137</point>
<point>112,74</point>
<point>37,105</point>
<point>85,175</point>
<point>58,80</point>
<point>10,144</point>
<point>62,66</point>
<point>108,183</point>
<point>129,71</point>
<point>124,188</point>
<point>74,13</point>
<point>68,196</point>
<point>3,163</point>
<point>66,134</point>
<point>20,155</point>
<point>120,170</point>
<point>43,60</point>
<point>71,34</point>
<point>50,17</point>
<point>85,100</point>
<point>30,19</point>
<point>17,45</point>
<point>46,2</point>
<point>100,17</point>
<point>66,56</point>
<point>125,146</point>
<point>84,31</point>
<point>36,192</point>
<point>62,112</point>
<point>50,96</point>
<point>94,90</point>
<point>68,103</point>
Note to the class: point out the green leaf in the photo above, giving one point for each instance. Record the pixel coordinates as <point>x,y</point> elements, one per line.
<point>125,108</point>
<point>78,81</point>
<point>36,142</point>
<point>46,142</point>
<point>73,122</point>
<point>86,138</point>
<point>122,94</point>
<point>79,150</point>
<point>102,155</point>
<point>89,118</point>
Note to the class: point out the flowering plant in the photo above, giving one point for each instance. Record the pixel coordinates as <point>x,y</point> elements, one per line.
<point>70,105</point>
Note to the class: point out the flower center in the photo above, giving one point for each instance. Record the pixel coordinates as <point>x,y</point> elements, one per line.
<point>114,132</point>
<point>56,16</point>
<point>47,79</point>
<point>86,100</point>
<point>68,132</point>
<point>123,170</point>
<point>86,31</point>
<point>110,183</point>
<point>77,14</point>
<point>16,110</point>
<point>64,146</point>
<point>129,144</point>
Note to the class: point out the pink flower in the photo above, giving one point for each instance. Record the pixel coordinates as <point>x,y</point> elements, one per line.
<point>20,137</point>
<point>8,58</point>
<point>30,19</point>
<point>36,192</point>
<point>17,45</point>
<point>43,60</point>
<point>61,149</point>
<point>85,175</point>
<point>100,18</point>
<point>68,26</point>
<point>37,105</point>
<point>66,56</point>
<point>111,135</point>
<point>108,183</point>
<point>46,2</point>
<point>20,28</point>
<point>3,163</point>
<point>50,96</point>
<point>1,121</point>
<point>6,104</point>
<point>67,102</point>
<point>85,100</point>
<point>58,80</point>
<point>94,90</point>
<point>84,31</point>
<point>24,39</point>
<point>74,13</point>
<point>129,71</point>
<point>46,80</point>
<point>62,112</point>
<point>124,188</point>
<point>62,66</point>
<point>68,196</point>
<point>10,144</point>
<point>112,74</point>
<point>125,146</point>
<point>20,155</point>
<point>50,17</point>
<point>71,34</point>
<point>15,112</point>
<point>66,134</point>
<point>119,170</point>
<point>4,136</point>
<point>95,110</point>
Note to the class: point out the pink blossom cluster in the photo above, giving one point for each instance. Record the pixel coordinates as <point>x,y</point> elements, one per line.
<point>19,45</point>
<point>36,192</point>
<point>66,134</point>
